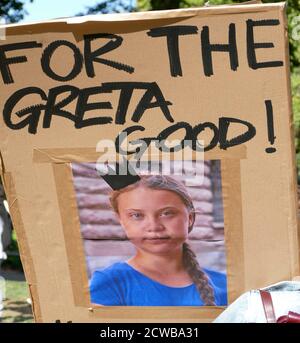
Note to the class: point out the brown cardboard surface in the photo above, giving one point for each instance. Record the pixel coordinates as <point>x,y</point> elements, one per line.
<point>259,188</point>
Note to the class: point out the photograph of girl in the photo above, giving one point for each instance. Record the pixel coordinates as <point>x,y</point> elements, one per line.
<point>157,214</point>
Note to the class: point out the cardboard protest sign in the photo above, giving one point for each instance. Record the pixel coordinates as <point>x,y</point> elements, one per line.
<point>200,96</point>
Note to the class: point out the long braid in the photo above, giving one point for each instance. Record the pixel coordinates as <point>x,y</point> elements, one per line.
<point>198,276</point>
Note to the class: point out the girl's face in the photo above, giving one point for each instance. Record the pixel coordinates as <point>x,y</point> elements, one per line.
<point>155,221</point>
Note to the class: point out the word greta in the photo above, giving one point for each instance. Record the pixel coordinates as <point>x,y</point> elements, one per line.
<point>50,106</point>
<point>170,34</point>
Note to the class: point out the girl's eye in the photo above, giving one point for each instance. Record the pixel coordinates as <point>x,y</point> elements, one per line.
<point>136,215</point>
<point>167,213</point>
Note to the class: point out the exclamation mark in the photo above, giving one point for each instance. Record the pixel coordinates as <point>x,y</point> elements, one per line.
<point>270,124</point>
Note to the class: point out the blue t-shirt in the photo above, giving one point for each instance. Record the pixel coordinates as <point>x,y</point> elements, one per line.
<point>122,285</point>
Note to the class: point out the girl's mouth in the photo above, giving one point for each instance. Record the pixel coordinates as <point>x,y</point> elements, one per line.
<point>157,239</point>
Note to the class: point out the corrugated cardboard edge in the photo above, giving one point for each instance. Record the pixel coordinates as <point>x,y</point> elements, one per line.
<point>294,236</point>
<point>176,14</point>
<point>25,254</point>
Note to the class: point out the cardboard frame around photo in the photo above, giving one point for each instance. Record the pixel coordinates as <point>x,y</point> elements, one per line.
<point>65,191</point>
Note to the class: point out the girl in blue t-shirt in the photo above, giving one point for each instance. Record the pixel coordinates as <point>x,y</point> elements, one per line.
<point>157,214</point>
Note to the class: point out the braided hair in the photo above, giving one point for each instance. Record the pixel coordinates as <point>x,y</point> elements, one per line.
<point>190,263</point>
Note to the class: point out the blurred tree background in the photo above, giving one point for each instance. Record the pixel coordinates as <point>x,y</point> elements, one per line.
<point>111,6</point>
<point>12,11</point>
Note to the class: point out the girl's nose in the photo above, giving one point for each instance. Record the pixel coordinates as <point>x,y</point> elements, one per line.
<point>154,224</point>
